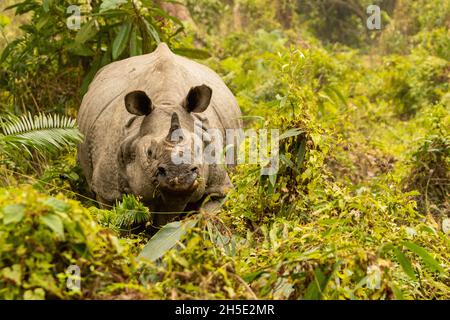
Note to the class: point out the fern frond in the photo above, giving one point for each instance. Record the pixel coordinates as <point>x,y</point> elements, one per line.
<point>43,133</point>
<point>130,212</point>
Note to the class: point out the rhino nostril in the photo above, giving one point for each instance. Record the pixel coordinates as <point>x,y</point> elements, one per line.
<point>162,171</point>
<point>194,170</point>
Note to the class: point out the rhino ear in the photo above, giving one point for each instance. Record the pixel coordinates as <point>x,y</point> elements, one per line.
<point>198,98</point>
<point>138,103</point>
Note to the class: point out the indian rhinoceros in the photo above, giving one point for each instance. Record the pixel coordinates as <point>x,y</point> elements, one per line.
<point>128,117</point>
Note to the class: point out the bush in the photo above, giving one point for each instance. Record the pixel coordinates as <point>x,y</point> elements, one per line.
<point>41,236</point>
<point>51,64</point>
<point>430,167</point>
<point>413,82</point>
<point>413,20</point>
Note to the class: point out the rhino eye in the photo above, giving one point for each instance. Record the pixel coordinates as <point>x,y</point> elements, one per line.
<point>149,152</point>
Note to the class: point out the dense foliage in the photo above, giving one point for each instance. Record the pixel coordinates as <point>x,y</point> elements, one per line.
<point>357,210</point>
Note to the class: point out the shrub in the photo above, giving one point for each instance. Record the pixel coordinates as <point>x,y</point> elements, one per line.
<point>51,64</point>
<point>41,236</point>
<point>412,82</point>
<point>430,175</point>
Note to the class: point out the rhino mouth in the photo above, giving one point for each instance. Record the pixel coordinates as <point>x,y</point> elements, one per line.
<point>174,182</point>
<point>178,188</point>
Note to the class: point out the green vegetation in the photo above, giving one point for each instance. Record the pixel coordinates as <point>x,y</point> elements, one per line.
<point>40,134</point>
<point>358,209</point>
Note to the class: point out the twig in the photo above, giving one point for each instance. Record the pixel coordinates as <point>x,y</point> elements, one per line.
<point>247,287</point>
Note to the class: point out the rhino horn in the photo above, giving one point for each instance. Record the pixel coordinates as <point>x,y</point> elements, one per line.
<point>174,125</point>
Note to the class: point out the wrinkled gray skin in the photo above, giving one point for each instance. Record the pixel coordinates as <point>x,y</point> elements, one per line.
<point>128,117</point>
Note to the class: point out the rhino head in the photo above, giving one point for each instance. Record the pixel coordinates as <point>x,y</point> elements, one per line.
<point>152,160</point>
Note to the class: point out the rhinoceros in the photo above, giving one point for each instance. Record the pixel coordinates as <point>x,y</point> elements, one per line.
<point>129,116</point>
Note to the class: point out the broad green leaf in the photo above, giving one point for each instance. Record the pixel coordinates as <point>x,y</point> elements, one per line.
<point>57,205</point>
<point>13,213</point>
<point>192,53</point>
<point>405,264</point>
<point>87,31</point>
<point>14,273</point>
<point>80,49</point>
<point>253,276</point>
<point>54,222</point>
<point>121,40</point>
<point>290,133</point>
<point>426,257</point>
<point>165,239</point>
<point>316,287</point>
<point>111,4</point>
<point>152,31</point>
<point>135,43</point>
<point>46,5</point>
<point>42,22</point>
